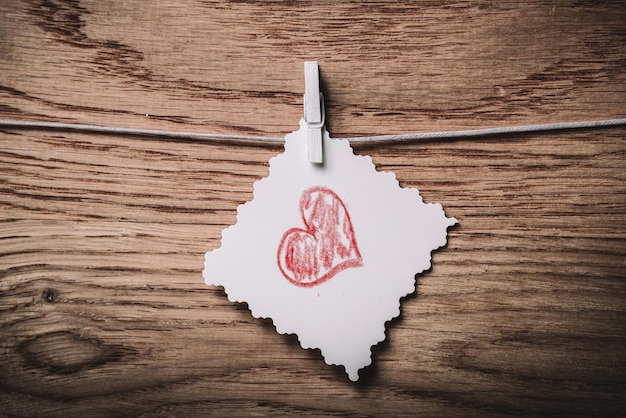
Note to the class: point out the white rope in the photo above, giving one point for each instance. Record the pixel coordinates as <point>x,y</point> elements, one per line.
<point>420,136</point>
<point>129,131</point>
<point>491,131</point>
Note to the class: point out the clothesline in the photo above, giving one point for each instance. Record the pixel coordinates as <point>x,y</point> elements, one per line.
<point>418,136</point>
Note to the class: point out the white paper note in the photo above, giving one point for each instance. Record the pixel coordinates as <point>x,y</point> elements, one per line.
<point>327,250</point>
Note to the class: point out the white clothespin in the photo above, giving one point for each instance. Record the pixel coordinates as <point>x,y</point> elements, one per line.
<point>314,114</point>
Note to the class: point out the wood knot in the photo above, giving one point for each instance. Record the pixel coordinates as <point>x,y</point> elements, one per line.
<point>49,295</point>
<point>65,352</point>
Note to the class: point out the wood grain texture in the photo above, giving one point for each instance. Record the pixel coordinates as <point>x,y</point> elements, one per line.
<point>103,310</point>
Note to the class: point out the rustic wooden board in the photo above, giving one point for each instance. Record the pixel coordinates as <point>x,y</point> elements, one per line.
<point>103,310</point>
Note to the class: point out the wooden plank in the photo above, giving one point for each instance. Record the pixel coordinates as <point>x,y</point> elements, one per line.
<point>102,305</point>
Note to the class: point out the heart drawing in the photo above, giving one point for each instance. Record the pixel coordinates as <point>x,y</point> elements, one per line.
<point>325,246</point>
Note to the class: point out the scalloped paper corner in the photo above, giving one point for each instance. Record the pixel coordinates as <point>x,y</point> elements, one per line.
<point>327,251</point>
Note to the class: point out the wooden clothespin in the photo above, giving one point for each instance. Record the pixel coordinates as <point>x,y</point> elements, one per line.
<point>314,114</point>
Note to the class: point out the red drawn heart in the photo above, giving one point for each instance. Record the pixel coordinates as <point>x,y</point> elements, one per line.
<point>326,245</point>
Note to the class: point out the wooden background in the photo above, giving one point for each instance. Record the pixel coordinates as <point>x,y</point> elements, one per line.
<point>103,309</point>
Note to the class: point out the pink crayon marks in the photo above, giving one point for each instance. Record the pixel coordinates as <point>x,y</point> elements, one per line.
<point>326,245</point>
